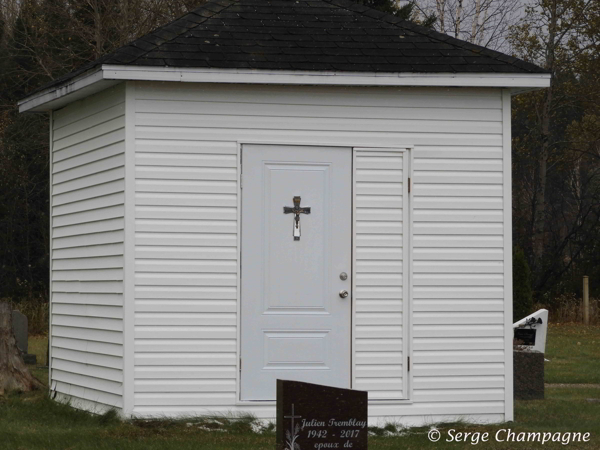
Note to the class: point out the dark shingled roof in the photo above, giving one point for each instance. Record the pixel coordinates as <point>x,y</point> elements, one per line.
<point>328,35</point>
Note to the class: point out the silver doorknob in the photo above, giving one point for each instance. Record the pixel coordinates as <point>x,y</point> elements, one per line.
<point>344,293</point>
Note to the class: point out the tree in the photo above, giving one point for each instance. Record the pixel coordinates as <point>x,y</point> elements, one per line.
<point>408,11</point>
<point>41,40</point>
<point>555,183</point>
<point>14,374</point>
<point>481,22</point>
<point>522,296</point>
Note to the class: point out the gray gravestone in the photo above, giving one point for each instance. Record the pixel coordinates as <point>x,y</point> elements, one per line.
<point>21,331</point>
<point>19,323</point>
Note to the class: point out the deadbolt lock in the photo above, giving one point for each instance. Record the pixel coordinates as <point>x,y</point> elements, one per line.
<point>343,276</point>
<point>344,293</point>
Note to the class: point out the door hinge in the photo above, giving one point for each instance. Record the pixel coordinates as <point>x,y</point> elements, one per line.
<point>409,185</point>
<point>240,364</point>
<point>241,181</point>
<point>409,363</point>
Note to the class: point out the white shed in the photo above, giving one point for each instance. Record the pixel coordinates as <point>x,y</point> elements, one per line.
<point>218,185</point>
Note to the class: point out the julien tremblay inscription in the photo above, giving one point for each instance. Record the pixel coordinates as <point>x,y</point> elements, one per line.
<point>315,417</point>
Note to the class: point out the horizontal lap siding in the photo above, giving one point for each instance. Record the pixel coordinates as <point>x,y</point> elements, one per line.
<point>379,259</point>
<point>458,274</point>
<point>186,273</point>
<point>186,225</point>
<point>87,250</point>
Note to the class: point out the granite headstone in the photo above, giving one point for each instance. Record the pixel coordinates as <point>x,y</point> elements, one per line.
<point>21,330</point>
<point>19,324</point>
<point>528,375</point>
<point>316,417</point>
<point>528,355</point>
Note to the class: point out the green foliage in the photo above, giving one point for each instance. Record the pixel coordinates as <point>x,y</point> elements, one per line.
<point>522,295</point>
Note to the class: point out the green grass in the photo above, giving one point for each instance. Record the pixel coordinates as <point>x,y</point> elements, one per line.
<point>573,352</point>
<point>33,421</point>
<point>38,346</point>
<point>563,410</point>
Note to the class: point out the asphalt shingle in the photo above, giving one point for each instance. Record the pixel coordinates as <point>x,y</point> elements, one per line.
<point>337,35</point>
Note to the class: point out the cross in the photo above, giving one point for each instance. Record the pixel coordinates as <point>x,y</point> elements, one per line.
<point>292,416</point>
<point>293,433</point>
<point>296,210</point>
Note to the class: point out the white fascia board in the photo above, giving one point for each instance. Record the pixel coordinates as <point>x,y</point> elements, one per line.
<point>57,96</point>
<point>251,76</point>
<point>108,75</point>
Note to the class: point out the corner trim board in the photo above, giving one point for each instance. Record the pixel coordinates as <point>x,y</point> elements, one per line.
<point>508,295</point>
<point>129,255</point>
<point>50,167</point>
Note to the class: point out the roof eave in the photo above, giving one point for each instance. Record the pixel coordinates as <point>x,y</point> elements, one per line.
<point>106,75</point>
<point>76,88</point>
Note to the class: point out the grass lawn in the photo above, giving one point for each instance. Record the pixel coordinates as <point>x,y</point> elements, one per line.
<point>573,352</point>
<point>32,421</point>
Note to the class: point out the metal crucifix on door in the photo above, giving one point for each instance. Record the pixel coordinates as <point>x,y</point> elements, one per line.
<point>296,210</point>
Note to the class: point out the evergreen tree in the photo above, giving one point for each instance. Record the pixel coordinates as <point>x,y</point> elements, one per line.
<point>522,295</point>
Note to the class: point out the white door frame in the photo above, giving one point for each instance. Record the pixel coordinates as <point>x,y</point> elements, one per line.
<point>407,318</point>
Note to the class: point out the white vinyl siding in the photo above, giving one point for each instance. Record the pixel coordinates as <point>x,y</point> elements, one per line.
<point>381,220</point>
<point>87,231</point>
<point>186,291</point>
<point>186,273</point>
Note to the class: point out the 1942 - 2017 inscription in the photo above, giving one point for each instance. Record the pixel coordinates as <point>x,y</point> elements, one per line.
<point>315,417</point>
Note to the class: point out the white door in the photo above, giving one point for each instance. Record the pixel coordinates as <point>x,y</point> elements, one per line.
<point>295,323</point>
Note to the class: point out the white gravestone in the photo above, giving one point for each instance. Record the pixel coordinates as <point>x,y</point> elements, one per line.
<point>532,330</point>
